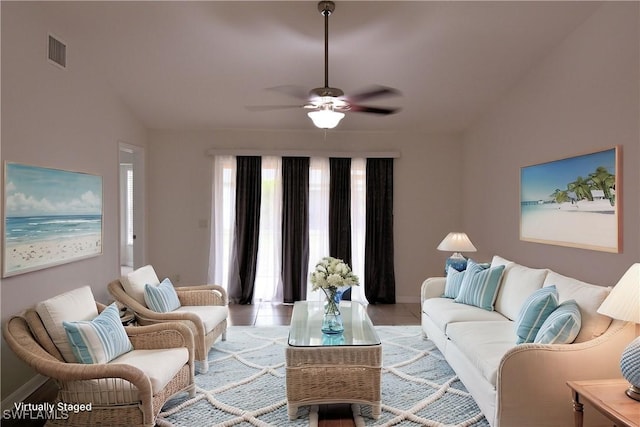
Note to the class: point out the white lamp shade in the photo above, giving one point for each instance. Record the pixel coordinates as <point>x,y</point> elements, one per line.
<point>456,242</point>
<point>325,119</point>
<point>623,302</point>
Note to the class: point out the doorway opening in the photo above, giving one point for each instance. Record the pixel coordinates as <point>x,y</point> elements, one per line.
<point>131,207</point>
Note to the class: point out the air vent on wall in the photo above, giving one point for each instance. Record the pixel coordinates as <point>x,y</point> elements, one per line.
<point>57,52</point>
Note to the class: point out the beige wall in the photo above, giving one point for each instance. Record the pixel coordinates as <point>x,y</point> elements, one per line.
<point>426,194</point>
<point>583,97</point>
<point>60,119</point>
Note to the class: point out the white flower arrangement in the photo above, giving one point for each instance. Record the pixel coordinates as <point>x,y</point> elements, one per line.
<point>332,273</point>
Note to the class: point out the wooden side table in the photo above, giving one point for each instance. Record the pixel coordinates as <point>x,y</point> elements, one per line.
<point>608,398</point>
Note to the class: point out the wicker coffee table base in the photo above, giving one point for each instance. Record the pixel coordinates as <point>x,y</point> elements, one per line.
<point>333,374</point>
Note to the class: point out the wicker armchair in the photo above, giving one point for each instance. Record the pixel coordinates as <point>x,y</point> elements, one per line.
<point>120,394</point>
<point>203,308</point>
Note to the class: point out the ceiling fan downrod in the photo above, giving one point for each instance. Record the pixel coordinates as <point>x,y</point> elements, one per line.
<point>326,8</point>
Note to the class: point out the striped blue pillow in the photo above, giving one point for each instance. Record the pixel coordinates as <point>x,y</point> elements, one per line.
<point>161,298</point>
<point>480,285</point>
<point>99,340</point>
<point>562,326</point>
<point>453,283</point>
<point>534,312</point>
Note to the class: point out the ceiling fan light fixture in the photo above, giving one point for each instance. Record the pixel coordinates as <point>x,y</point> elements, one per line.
<point>325,119</point>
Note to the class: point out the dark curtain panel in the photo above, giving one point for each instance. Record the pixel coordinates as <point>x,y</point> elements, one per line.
<point>380,282</point>
<point>295,228</point>
<point>244,252</point>
<point>340,211</point>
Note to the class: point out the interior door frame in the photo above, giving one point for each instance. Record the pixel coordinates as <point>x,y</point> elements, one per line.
<point>139,191</point>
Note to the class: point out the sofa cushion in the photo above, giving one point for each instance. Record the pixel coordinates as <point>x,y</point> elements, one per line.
<point>453,283</point>
<point>444,311</point>
<point>161,298</point>
<point>484,344</point>
<point>534,312</point>
<point>518,283</point>
<point>211,315</point>
<point>133,283</point>
<point>588,297</point>
<point>71,306</point>
<point>480,285</point>
<point>99,340</point>
<point>562,326</point>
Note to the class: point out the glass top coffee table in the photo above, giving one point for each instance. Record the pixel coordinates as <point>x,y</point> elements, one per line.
<point>326,369</point>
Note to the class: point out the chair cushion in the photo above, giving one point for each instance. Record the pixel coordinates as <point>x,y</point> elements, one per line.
<point>480,285</point>
<point>99,340</point>
<point>161,298</point>
<point>211,315</point>
<point>453,283</point>
<point>562,326</point>
<point>534,312</point>
<point>160,365</point>
<point>71,306</point>
<point>133,283</point>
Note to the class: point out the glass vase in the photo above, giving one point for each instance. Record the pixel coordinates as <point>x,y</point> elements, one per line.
<point>331,319</point>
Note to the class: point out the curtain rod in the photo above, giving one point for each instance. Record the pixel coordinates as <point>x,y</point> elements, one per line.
<point>303,153</point>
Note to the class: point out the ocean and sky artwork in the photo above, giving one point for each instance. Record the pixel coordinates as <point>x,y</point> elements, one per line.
<point>573,202</point>
<point>51,217</point>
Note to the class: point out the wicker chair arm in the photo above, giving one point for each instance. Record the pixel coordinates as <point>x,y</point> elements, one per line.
<point>199,297</point>
<point>218,291</point>
<point>158,336</point>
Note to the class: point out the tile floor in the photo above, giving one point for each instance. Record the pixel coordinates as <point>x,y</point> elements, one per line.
<point>266,314</point>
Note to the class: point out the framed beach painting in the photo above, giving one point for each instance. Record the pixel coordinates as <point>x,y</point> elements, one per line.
<point>51,217</point>
<point>573,202</point>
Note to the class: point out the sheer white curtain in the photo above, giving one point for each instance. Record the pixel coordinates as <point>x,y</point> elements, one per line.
<point>319,175</point>
<point>270,242</point>
<point>358,225</point>
<point>222,218</point>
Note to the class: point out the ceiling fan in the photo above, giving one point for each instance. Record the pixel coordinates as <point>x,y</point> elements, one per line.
<point>329,104</point>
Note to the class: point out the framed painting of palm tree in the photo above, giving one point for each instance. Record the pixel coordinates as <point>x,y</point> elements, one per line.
<point>573,202</point>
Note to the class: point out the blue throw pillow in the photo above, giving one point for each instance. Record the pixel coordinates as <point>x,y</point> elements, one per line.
<point>562,326</point>
<point>480,285</point>
<point>453,283</point>
<point>99,340</point>
<point>534,312</point>
<point>161,298</point>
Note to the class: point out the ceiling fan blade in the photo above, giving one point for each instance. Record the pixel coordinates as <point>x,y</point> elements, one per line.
<point>374,92</point>
<point>374,110</point>
<point>272,107</point>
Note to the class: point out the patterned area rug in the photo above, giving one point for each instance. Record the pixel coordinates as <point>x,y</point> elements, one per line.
<point>245,385</point>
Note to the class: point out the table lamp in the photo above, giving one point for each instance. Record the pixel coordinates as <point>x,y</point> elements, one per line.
<point>623,303</point>
<point>456,242</point>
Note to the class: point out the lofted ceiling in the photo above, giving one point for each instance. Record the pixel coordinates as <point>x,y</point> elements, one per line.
<point>198,65</point>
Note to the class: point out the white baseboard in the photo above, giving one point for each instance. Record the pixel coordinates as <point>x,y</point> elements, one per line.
<point>24,391</point>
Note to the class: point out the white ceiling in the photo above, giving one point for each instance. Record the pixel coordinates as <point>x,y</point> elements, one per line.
<point>197,65</point>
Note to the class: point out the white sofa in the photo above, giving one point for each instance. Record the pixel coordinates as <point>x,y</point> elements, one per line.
<point>524,385</point>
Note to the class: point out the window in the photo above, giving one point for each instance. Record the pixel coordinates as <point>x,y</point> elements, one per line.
<point>268,269</point>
